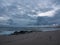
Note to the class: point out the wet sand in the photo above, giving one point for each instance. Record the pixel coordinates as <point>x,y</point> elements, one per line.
<point>33,38</point>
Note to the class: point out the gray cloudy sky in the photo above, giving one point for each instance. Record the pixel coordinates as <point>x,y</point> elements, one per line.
<point>25,12</point>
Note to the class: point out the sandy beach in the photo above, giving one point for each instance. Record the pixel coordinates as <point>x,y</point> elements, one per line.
<point>33,38</point>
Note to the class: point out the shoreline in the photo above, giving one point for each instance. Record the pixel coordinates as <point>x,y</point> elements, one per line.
<point>33,38</point>
<point>9,31</point>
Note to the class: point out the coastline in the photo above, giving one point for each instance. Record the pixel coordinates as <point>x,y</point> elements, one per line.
<point>33,38</point>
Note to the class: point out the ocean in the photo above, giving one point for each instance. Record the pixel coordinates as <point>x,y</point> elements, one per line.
<point>9,30</point>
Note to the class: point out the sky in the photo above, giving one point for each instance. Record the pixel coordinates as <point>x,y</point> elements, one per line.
<point>26,12</point>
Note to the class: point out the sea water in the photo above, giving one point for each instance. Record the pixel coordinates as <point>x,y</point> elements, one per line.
<point>6,32</point>
<point>9,30</point>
